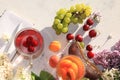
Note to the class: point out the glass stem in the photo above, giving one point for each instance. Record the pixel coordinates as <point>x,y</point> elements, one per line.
<point>30,62</point>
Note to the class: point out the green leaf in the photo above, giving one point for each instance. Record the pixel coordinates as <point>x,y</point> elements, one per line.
<point>34,76</point>
<point>100,78</point>
<point>44,75</point>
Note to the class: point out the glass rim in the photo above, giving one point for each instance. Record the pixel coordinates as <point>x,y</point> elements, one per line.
<point>38,52</point>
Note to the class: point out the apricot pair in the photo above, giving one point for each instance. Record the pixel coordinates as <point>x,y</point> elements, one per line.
<point>70,68</point>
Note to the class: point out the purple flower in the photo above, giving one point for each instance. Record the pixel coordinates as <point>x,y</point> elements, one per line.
<point>117,46</point>
<point>114,60</point>
<point>101,58</point>
<point>108,59</point>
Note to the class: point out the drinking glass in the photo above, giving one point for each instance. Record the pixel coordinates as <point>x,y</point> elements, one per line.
<point>29,43</point>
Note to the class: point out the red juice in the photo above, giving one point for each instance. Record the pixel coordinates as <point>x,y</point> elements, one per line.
<point>23,35</point>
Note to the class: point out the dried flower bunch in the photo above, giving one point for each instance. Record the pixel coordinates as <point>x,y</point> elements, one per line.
<point>6,71</point>
<point>22,74</point>
<point>109,58</point>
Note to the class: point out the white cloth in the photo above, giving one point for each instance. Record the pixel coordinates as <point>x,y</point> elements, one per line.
<point>8,22</point>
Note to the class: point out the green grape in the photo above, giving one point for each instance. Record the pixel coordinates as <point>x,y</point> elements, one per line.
<point>57,21</point>
<point>87,12</point>
<point>83,6</point>
<point>61,11</point>
<point>65,24</point>
<point>60,26</point>
<point>74,20</point>
<point>83,16</point>
<point>80,21</point>
<point>76,14</point>
<point>54,26</point>
<point>78,7</point>
<point>65,29</point>
<point>67,20</point>
<point>72,8</point>
<point>60,16</point>
<point>88,8</point>
<point>58,31</point>
<point>81,11</point>
<point>68,15</point>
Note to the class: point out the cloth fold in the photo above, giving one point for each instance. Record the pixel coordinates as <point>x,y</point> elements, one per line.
<point>8,23</point>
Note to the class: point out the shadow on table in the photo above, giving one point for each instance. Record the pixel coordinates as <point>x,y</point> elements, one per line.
<point>48,33</point>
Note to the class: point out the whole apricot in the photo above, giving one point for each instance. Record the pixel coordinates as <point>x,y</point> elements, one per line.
<point>55,46</point>
<point>53,61</point>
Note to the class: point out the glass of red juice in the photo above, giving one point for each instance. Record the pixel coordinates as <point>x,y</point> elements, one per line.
<point>29,43</point>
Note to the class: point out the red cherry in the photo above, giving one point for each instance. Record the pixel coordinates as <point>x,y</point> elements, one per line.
<point>86,27</point>
<point>79,38</point>
<point>25,44</point>
<point>29,39</point>
<point>92,33</point>
<point>70,36</point>
<point>31,49</point>
<point>90,54</point>
<point>90,22</point>
<point>34,43</point>
<point>89,47</point>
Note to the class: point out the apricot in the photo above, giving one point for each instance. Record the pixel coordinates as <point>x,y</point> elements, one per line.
<point>53,61</point>
<point>70,68</point>
<point>55,46</point>
<point>79,63</point>
<point>69,64</point>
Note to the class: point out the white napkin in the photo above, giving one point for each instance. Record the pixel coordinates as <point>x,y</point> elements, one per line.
<point>8,22</point>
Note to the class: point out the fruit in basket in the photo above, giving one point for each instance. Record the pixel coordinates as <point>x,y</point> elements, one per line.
<point>70,68</point>
<point>55,46</point>
<point>53,61</point>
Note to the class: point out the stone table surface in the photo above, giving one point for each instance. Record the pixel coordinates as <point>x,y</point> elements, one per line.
<point>41,13</point>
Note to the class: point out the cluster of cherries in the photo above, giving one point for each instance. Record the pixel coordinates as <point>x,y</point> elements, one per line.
<point>78,37</point>
<point>30,43</point>
<point>86,27</point>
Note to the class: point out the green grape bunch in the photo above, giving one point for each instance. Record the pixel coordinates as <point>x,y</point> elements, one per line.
<point>76,14</point>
